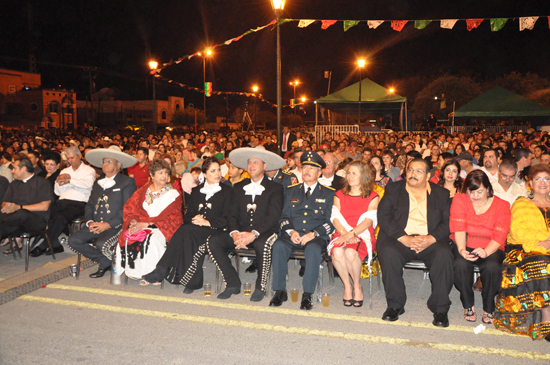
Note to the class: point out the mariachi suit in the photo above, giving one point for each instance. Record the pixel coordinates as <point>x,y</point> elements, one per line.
<point>246,215</point>
<point>304,216</point>
<point>393,215</point>
<point>103,206</point>
<point>184,255</point>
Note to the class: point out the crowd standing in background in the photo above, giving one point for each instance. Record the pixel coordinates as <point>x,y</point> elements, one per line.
<point>458,202</point>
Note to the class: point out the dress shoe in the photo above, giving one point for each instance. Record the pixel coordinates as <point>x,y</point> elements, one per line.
<point>441,320</point>
<point>279,297</point>
<point>100,272</point>
<point>57,249</point>
<point>547,338</point>
<point>37,251</point>
<point>252,268</point>
<point>478,285</point>
<point>302,271</point>
<point>257,296</point>
<point>188,291</point>
<point>307,303</point>
<point>229,291</point>
<point>392,314</point>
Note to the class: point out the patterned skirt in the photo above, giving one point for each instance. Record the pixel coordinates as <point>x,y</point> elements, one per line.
<point>525,290</point>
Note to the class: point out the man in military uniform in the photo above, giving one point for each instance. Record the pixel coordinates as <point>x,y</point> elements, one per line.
<point>253,221</point>
<point>282,177</point>
<point>305,225</point>
<point>103,212</point>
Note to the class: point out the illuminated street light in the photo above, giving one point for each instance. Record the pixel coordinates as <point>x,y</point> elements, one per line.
<point>295,83</point>
<point>153,66</point>
<point>361,63</point>
<point>255,89</point>
<point>303,99</point>
<point>278,6</point>
<point>207,53</point>
<point>392,90</point>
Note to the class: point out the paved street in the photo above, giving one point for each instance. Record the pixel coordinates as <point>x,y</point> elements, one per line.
<point>92,322</point>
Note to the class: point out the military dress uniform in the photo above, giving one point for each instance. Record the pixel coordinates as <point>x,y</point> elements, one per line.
<point>304,214</point>
<point>104,205</point>
<point>285,178</point>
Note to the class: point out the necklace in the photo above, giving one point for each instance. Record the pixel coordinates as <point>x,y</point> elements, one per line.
<point>477,209</point>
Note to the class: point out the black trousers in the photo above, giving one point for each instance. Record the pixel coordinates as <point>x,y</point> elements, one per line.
<point>20,221</point>
<point>62,213</point>
<point>282,249</point>
<point>490,270</point>
<point>219,245</point>
<point>393,256</point>
<point>79,241</point>
<point>184,255</point>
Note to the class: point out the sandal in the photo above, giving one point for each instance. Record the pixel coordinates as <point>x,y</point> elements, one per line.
<point>487,318</point>
<point>469,312</point>
<point>10,251</point>
<point>157,283</point>
<point>144,283</point>
<point>357,303</point>
<point>348,302</point>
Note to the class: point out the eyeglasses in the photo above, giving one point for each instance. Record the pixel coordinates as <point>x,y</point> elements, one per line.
<point>418,171</point>
<point>539,179</point>
<point>106,160</point>
<point>329,162</point>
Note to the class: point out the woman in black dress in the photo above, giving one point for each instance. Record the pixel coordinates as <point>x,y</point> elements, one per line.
<point>206,215</point>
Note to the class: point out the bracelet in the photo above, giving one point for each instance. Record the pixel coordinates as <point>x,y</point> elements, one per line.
<point>354,234</point>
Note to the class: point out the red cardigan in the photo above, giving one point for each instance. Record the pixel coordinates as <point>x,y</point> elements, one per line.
<point>168,221</point>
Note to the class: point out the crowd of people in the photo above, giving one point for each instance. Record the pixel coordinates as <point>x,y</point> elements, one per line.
<point>154,206</point>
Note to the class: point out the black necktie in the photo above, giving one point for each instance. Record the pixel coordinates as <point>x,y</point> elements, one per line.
<point>308,193</point>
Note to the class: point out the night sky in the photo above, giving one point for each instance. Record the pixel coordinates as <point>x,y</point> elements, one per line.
<point>121,36</point>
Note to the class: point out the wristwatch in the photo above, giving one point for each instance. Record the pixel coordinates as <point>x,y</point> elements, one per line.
<point>315,234</point>
<point>256,235</point>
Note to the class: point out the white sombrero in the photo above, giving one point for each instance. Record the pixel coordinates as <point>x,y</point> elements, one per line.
<point>239,157</point>
<point>96,156</point>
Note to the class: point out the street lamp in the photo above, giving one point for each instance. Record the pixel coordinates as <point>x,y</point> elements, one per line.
<point>361,63</point>
<point>278,6</point>
<point>255,89</point>
<point>295,83</point>
<point>153,66</point>
<point>392,90</point>
<point>207,53</point>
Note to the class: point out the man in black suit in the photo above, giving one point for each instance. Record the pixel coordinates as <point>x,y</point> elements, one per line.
<point>414,225</point>
<point>103,214</point>
<point>284,178</point>
<point>286,141</point>
<point>253,221</point>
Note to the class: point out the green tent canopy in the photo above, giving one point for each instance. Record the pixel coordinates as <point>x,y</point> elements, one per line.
<point>501,103</point>
<point>371,92</point>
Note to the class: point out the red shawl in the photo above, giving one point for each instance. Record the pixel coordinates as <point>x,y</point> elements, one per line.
<point>168,221</point>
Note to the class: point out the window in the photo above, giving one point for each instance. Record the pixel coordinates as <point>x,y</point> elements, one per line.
<point>53,107</point>
<point>34,107</point>
<point>177,107</point>
<point>163,115</point>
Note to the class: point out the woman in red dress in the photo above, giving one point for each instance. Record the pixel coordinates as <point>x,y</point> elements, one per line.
<point>480,223</point>
<point>354,218</point>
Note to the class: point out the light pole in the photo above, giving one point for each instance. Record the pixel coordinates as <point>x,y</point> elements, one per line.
<point>361,64</point>
<point>153,66</point>
<point>255,89</point>
<point>295,83</point>
<point>207,53</point>
<point>304,105</point>
<point>278,6</point>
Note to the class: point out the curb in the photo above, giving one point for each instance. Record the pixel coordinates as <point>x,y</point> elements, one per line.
<point>16,286</point>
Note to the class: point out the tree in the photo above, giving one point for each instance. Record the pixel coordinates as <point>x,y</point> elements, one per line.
<point>186,117</point>
<point>461,90</point>
<point>530,86</point>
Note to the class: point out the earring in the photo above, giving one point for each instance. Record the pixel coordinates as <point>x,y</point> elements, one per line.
<point>531,194</point>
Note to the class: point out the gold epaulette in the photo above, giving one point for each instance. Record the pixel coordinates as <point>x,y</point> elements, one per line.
<point>328,187</point>
<point>294,185</point>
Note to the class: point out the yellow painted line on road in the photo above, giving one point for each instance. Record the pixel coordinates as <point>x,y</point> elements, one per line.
<point>255,308</point>
<point>479,350</point>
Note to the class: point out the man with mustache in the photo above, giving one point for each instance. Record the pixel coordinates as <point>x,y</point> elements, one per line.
<point>414,225</point>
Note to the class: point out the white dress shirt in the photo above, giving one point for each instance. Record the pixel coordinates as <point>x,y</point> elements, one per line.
<point>515,191</point>
<point>80,186</point>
